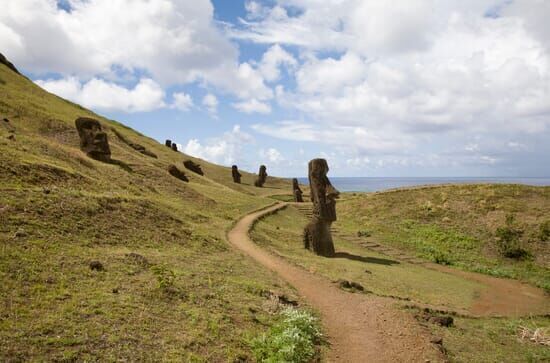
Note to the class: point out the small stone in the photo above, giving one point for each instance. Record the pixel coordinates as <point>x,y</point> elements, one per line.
<point>11,137</point>
<point>96,265</point>
<point>46,191</point>
<point>445,321</point>
<point>437,340</point>
<point>20,234</point>
<point>115,290</point>
<point>446,219</point>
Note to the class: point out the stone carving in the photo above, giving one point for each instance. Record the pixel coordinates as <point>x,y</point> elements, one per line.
<point>168,143</point>
<point>317,235</point>
<point>236,175</point>
<point>262,176</point>
<point>194,167</point>
<point>7,63</point>
<point>174,171</point>
<point>139,148</point>
<point>174,146</point>
<point>93,140</point>
<point>296,191</point>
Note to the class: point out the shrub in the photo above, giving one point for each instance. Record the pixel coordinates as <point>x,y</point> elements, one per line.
<point>544,231</point>
<point>508,239</point>
<point>165,277</point>
<point>291,340</point>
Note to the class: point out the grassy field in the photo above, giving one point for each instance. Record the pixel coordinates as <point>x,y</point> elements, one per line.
<point>465,226</point>
<point>170,287</point>
<point>469,340</point>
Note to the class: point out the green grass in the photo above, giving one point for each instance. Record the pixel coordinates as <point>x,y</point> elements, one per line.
<point>469,340</point>
<point>282,233</point>
<point>459,225</point>
<point>190,297</point>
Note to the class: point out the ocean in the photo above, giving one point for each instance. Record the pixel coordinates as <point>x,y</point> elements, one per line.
<point>368,184</point>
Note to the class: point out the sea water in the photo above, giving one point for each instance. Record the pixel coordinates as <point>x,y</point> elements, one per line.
<point>368,184</point>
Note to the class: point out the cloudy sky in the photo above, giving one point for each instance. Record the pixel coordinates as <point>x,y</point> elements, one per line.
<point>379,88</point>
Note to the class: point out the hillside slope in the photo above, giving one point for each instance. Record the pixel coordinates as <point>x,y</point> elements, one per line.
<point>169,287</point>
<point>473,227</point>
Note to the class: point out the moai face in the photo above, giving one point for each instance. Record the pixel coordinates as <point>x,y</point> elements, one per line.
<point>93,141</point>
<point>235,173</point>
<point>263,171</point>
<point>323,194</point>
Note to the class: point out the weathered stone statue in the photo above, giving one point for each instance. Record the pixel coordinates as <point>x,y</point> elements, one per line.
<point>296,191</point>
<point>194,167</point>
<point>236,175</point>
<point>168,143</point>
<point>262,176</point>
<point>317,235</point>
<point>174,146</point>
<point>174,171</point>
<point>93,141</point>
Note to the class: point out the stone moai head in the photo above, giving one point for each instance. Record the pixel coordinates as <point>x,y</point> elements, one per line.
<point>262,176</point>
<point>168,143</point>
<point>235,174</point>
<point>295,184</point>
<point>93,140</point>
<point>174,146</point>
<point>323,194</point>
<point>296,191</point>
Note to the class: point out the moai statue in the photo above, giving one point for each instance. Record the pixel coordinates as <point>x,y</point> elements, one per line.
<point>262,176</point>
<point>174,171</point>
<point>236,175</point>
<point>174,146</point>
<point>317,235</point>
<point>194,167</point>
<point>168,143</point>
<point>93,141</point>
<point>296,191</point>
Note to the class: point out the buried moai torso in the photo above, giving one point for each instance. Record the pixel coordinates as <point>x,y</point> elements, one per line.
<point>93,140</point>
<point>262,176</point>
<point>296,191</point>
<point>235,174</point>
<point>317,235</point>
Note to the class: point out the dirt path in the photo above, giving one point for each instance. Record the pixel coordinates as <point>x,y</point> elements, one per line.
<point>360,328</point>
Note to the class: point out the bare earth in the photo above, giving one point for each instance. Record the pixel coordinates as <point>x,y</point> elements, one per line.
<point>360,328</point>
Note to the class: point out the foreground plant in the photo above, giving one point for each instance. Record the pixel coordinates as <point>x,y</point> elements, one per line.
<point>291,340</point>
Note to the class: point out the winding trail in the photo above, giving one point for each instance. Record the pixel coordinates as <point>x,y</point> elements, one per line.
<point>360,328</point>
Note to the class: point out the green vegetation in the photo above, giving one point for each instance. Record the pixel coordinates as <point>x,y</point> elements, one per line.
<point>466,226</point>
<point>378,274</point>
<point>293,339</point>
<point>470,339</point>
<point>171,287</point>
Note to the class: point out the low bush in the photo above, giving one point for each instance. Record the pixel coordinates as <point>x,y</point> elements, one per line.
<point>508,240</point>
<point>291,340</point>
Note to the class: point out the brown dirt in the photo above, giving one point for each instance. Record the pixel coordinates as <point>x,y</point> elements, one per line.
<point>502,297</point>
<point>360,328</point>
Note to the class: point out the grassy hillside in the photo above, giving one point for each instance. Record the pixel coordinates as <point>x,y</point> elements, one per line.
<point>169,287</point>
<point>473,227</point>
<point>470,339</point>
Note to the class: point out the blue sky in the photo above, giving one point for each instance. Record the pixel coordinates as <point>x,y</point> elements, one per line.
<point>418,88</point>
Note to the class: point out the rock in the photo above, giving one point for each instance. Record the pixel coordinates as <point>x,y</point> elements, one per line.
<point>115,290</point>
<point>96,266</point>
<point>262,177</point>
<point>174,171</point>
<point>168,143</point>
<point>235,174</point>
<point>174,146</point>
<point>436,340</point>
<point>445,321</point>
<point>446,220</point>
<point>20,234</point>
<point>345,284</point>
<point>46,191</point>
<point>11,137</point>
<point>194,167</point>
<point>93,141</point>
<point>137,259</point>
<point>317,236</point>
<point>7,63</point>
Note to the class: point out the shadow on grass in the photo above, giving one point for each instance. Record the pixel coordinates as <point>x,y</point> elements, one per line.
<point>379,261</point>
